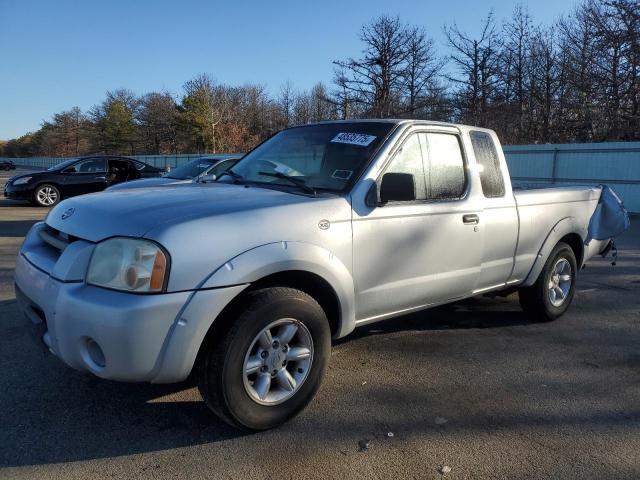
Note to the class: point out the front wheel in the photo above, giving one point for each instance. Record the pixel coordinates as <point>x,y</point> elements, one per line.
<point>551,295</point>
<point>46,195</point>
<point>270,362</point>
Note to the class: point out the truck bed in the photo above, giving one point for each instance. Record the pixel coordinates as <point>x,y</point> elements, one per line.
<point>540,209</point>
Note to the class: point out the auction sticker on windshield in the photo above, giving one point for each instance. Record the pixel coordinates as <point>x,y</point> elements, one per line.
<point>360,139</point>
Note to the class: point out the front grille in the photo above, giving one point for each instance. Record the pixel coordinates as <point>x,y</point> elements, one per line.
<point>55,238</point>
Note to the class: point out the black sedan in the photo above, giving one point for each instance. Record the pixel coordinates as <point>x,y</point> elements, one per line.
<point>7,165</point>
<point>75,177</point>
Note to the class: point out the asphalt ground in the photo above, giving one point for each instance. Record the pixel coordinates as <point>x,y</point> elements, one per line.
<point>472,386</point>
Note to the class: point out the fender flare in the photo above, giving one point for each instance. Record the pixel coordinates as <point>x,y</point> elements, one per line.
<point>259,262</point>
<point>228,281</point>
<point>565,226</point>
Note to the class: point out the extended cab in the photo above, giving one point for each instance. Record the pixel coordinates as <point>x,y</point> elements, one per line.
<point>318,230</point>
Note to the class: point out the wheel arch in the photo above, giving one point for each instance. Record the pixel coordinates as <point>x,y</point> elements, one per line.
<point>312,284</point>
<point>40,183</point>
<point>567,230</point>
<point>577,245</point>
<point>306,266</point>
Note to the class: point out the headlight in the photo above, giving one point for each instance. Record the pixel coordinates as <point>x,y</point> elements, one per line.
<point>21,181</point>
<point>128,264</point>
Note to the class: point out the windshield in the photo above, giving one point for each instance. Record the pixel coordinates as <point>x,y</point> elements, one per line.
<point>62,165</point>
<point>190,170</point>
<point>324,157</point>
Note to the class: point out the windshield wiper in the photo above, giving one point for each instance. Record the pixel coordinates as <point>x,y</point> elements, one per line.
<point>295,180</point>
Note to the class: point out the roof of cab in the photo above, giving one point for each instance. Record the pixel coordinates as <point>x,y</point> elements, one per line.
<point>395,121</point>
<point>409,121</point>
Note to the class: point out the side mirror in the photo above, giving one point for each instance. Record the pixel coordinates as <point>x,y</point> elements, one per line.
<point>210,177</point>
<point>371,200</point>
<point>399,187</point>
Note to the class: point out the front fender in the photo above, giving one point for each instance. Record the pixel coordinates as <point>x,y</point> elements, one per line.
<point>566,226</point>
<point>271,258</point>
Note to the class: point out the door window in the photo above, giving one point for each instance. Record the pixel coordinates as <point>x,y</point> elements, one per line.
<point>445,178</point>
<point>409,159</point>
<point>93,165</point>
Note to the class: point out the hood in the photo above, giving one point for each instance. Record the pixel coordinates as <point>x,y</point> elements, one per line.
<point>30,174</point>
<point>133,212</point>
<point>147,182</point>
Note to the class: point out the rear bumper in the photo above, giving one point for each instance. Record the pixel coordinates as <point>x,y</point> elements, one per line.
<point>140,338</point>
<point>596,247</point>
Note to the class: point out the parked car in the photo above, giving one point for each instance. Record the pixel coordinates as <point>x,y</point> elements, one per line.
<point>245,280</point>
<point>187,173</point>
<point>76,177</point>
<point>7,165</point>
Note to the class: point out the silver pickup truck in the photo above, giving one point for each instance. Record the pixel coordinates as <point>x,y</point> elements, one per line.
<point>320,229</point>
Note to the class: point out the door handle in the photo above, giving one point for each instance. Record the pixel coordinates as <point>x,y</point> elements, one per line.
<point>470,219</point>
<point>101,178</point>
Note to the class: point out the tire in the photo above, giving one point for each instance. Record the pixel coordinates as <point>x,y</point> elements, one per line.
<point>537,301</point>
<point>234,396</point>
<point>46,195</point>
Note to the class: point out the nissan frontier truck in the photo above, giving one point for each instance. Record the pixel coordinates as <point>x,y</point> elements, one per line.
<point>245,281</point>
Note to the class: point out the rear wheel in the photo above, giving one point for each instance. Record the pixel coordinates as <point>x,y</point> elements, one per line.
<point>551,295</point>
<point>46,195</point>
<point>270,362</point>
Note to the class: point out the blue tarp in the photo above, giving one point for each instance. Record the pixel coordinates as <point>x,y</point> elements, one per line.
<point>610,218</point>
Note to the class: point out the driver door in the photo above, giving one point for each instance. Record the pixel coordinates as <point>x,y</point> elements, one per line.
<point>410,254</point>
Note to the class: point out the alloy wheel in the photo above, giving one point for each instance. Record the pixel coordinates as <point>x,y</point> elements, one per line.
<point>47,196</point>
<point>559,283</point>
<point>278,361</point>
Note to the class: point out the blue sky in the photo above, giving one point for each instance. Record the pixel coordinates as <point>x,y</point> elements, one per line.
<point>57,54</point>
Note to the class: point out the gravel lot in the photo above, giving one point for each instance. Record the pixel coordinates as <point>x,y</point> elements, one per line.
<point>471,386</point>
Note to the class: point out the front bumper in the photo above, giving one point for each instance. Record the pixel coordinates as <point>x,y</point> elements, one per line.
<point>152,338</point>
<point>18,192</point>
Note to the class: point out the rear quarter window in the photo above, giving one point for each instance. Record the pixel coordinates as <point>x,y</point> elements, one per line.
<point>484,149</point>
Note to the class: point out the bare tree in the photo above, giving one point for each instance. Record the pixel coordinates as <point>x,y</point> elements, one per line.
<point>578,44</point>
<point>544,86</point>
<point>342,97</point>
<point>422,71</point>
<point>285,102</point>
<point>514,70</point>
<point>67,134</point>
<point>615,25</point>
<point>477,63</point>
<point>378,76</point>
